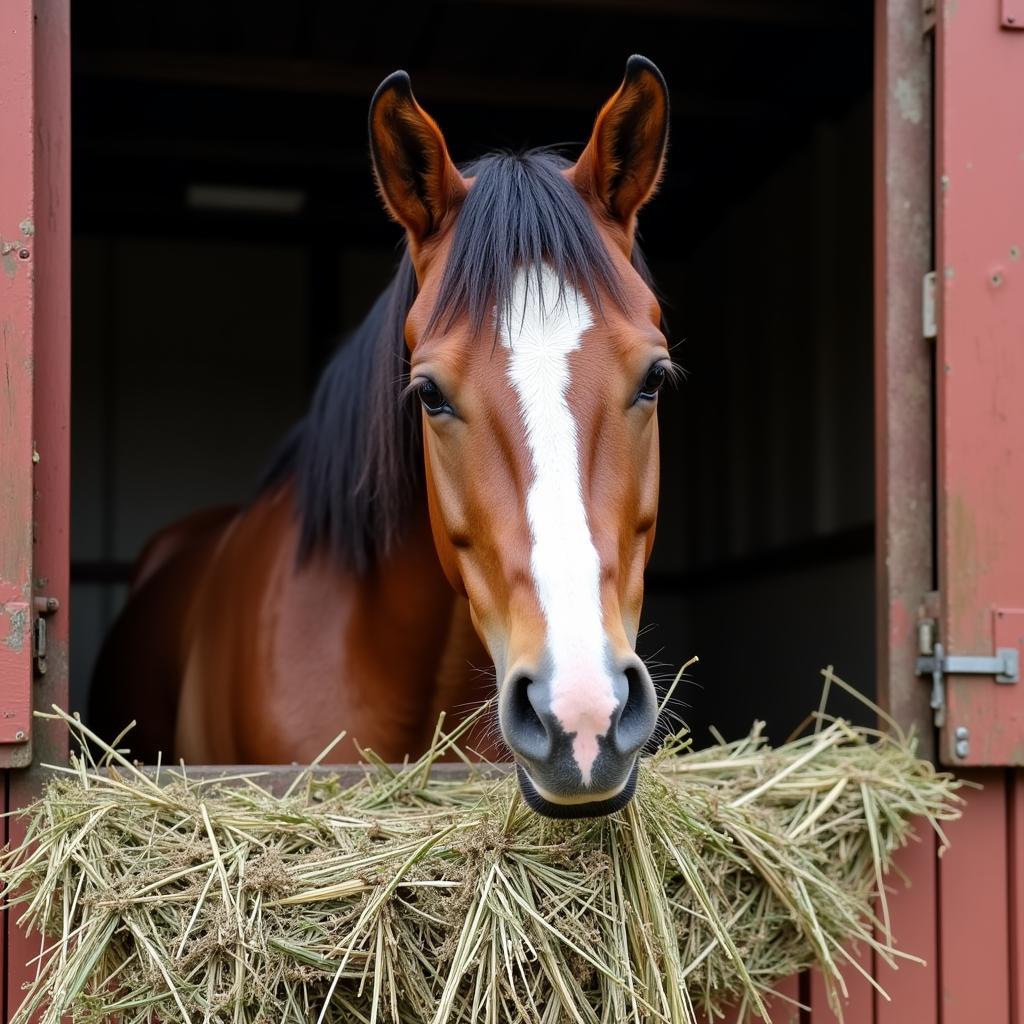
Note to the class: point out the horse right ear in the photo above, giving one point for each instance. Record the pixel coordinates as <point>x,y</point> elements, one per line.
<point>418,181</point>
<point>620,167</point>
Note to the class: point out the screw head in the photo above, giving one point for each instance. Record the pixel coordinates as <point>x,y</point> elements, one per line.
<point>962,733</point>
<point>24,254</point>
<point>19,735</point>
<point>962,748</point>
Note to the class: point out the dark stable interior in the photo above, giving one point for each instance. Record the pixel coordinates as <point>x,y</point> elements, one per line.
<point>227,233</point>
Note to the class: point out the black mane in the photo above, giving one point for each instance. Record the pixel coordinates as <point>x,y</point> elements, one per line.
<point>356,458</point>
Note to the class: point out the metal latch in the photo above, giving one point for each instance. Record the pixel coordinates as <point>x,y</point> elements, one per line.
<point>43,606</point>
<point>1005,666</point>
<point>929,321</point>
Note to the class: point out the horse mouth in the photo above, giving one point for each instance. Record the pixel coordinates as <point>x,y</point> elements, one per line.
<point>577,807</point>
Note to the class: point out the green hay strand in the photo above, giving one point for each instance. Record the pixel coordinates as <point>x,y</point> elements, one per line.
<point>418,897</point>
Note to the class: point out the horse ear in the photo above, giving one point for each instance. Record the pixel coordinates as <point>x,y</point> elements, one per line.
<point>418,181</point>
<point>621,165</point>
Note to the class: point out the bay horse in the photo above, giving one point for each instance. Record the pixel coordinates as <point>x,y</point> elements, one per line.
<point>476,480</point>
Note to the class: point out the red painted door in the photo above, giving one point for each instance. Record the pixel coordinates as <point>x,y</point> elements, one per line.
<point>35,352</point>
<point>17,241</point>
<point>980,371</point>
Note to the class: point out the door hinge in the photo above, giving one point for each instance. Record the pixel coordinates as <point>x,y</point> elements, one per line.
<point>43,606</point>
<point>1005,666</point>
<point>929,323</point>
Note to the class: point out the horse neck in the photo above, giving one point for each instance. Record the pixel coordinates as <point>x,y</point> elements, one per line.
<point>443,666</point>
<point>403,617</point>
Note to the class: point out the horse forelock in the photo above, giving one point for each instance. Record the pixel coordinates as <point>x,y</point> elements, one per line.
<point>354,462</point>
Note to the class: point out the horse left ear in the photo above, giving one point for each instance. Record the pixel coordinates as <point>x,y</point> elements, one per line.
<point>418,181</point>
<point>622,163</point>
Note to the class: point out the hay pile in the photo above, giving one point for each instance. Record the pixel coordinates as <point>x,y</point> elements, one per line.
<point>427,900</point>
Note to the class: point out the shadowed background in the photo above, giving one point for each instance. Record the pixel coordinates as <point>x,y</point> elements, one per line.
<point>227,233</point>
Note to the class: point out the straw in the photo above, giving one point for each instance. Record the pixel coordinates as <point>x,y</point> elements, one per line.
<point>417,897</point>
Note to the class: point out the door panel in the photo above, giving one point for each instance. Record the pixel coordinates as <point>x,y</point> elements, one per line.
<point>980,371</point>
<point>17,244</point>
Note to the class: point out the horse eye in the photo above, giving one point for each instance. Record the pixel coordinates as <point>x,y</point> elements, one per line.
<point>432,398</point>
<point>652,382</point>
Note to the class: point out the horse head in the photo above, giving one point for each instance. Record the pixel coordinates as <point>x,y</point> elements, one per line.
<point>536,355</point>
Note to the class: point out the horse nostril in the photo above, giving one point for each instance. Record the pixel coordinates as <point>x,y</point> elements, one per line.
<point>639,712</point>
<point>525,731</point>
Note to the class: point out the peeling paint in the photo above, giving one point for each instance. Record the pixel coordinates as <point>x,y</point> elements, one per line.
<point>15,639</point>
<point>909,102</point>
<point>27,228</point>
<point>10,265</point>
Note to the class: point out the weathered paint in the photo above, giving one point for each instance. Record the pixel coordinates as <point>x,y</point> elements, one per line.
<point>35,195</point>
<point>16,385</point>
<point>903,395</point>
<point>912,988</point>
<point>15,668</point>
<point>974,922</point>
<point>980,372</point>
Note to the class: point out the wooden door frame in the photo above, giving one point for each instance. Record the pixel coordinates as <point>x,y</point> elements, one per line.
<point>36,177</point>
<point>903,370</point>
<point>904,391</point>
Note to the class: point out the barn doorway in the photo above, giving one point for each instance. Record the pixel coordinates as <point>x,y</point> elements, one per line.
<point>226,234</point>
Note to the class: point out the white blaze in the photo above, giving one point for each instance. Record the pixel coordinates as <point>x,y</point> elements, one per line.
<point>546,323</point>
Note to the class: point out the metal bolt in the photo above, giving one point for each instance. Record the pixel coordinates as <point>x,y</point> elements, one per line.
<point>24,254</point>
<point>926,636</point>
<point>19,735</point>
<point>962,747</point>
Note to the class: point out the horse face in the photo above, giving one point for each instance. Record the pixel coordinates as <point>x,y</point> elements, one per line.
<point>541,444</point>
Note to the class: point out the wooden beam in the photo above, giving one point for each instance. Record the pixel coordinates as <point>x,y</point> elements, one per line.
<point>903,358</point>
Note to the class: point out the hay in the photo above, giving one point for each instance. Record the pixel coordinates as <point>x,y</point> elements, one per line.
<point>425,900</point>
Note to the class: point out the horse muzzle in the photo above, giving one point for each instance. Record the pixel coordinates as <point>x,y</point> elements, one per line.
<point>576,746</point>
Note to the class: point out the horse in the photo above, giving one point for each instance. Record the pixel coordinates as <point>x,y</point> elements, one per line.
<point>474,483</point>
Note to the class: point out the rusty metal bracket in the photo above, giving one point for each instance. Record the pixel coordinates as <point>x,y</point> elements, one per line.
<point>43,607</point>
